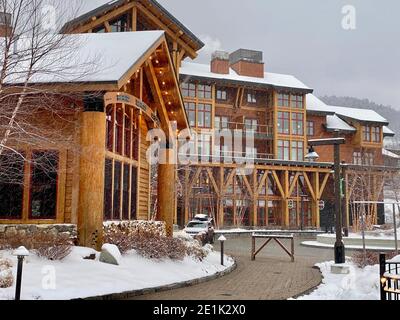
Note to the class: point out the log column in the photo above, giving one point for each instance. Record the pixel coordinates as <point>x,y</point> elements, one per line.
<point>91,174</point>
<point>166,190</point>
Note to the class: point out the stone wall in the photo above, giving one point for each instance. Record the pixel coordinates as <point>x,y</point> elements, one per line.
<point>27,229</point>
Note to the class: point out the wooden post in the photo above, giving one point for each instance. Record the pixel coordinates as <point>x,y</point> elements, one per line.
<point>286,221</point>
<point>91,181</point>
<point>316,211</point>
<point>166,190</point>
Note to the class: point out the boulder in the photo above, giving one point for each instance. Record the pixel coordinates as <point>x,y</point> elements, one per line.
<point>110,254</point>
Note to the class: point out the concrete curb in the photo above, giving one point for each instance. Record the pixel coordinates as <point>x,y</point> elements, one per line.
<point>177,285</point>
<point>349,247</point>
<point>311,290</point>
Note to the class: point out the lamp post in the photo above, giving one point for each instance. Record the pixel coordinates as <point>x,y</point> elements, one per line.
<point>222,239</point>
<point>20,253</point>
<point>313,156</point>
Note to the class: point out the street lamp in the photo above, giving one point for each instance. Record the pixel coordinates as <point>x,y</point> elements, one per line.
<point>312,156</point>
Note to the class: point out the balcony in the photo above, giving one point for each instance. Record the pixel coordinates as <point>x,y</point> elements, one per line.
<point>260,131</point>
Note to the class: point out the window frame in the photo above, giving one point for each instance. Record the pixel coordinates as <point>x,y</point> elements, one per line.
<point>310,128</point>
<point>282,121</point>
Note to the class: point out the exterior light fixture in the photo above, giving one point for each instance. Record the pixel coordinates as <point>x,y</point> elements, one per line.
<point>20,253</point>
<point>222,239</point>
<point>312,155</point>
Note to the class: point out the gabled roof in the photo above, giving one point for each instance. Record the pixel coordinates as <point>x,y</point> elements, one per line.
<point>202,71</point>
<point>98,57</point>
<point>93,8</point>
<point>335,123</point>
<point>315,105</point>
<point>390,154</point>
<point>387,132</point>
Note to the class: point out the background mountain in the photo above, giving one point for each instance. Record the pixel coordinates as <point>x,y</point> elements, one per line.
<point>388,112</point>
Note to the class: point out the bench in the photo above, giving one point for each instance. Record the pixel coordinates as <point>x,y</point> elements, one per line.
<point>269,237</point>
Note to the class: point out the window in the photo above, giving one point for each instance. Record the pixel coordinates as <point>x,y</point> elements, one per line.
<point>368,159</point>
<point>128,136</point>
<point>221,94</point>
<point>188,89</point>
<point>204,115</point>
<point>310,128</point>
<point>119,119</point>
<point>297,124</point>
<point>204,145</point>
<point>191,112</point>
<point>43,189</point>
<point>297,101</point>
<point>221,123</point>
<point>110,128</point>
<point>366,133</point>
<point>283,150</point>
<point>204,91</point>
<point>283,122</point>
<point>283,100</point>
<point>99,30</point>
<point>120,24</point>
<point>123,185</point>
<point>357,158</point>
<point>251,124</point>
<point>297,151</point>
<point>376,134</point>
<point>251,97</point>
<point>11,186</point>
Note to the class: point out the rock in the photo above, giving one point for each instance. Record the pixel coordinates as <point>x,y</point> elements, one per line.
<point>110,254</point>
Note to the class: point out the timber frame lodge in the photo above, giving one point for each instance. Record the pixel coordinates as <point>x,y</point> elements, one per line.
<point>156,87</point>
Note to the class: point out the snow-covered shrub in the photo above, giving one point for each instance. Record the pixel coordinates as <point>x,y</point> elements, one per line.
<point>372,258</point>
<point>45,244</point>
<point>6,276</point>
<point>150,241</point>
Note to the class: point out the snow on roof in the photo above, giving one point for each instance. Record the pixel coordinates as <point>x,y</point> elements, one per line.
<point>335,123</point>
<point>96,57</point>
<point>272,79</point>
<point>390,154</point>
<point>388,132</point>
<point>317,105</point>
<point>367,115</point>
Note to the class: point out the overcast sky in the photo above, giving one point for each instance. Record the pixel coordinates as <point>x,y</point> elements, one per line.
<point>305,38</point>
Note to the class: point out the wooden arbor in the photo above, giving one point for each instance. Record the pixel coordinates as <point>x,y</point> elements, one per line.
<point>248,191</point>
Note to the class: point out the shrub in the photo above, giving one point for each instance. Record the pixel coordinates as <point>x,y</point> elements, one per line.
<point>372,258</point>
<point>150,242</point>
<point>45,244</point>
<point>6,278</point>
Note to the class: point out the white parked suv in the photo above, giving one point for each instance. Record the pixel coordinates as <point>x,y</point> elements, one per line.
<point>201,227</point>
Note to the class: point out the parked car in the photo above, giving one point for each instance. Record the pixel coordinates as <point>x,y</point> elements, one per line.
<point>204,217</point>
<point>202,229</point>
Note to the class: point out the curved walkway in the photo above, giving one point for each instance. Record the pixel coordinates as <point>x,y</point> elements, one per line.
<point>271,276</point>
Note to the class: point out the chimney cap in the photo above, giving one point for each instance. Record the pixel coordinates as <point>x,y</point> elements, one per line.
<point>246,55</point>
<point>220,55</point>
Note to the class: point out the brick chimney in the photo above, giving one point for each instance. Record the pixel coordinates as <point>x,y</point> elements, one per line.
<point>247,63</point>
<point>220,62</point>
<point>5,24</point>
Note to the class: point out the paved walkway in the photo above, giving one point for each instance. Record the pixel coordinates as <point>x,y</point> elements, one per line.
<point>271,276</point>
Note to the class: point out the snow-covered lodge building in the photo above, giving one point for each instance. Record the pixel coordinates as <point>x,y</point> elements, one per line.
<point>148,82</point>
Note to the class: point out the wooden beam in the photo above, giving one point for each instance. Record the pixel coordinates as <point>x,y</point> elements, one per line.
<point>246,182</point>
<point>262,181</point>
<point>296,177</point>
<point>278,184</point>
<point>162,26</point>
<point>101,20</point>
<point>323,185</point>
<point>107,26</point>
<point>213,182</point>
<point>134,19</point>
<point>308,183</point>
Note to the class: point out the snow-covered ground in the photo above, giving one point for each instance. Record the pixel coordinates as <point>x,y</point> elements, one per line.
<point>74,277</point>
<point>359,284</point>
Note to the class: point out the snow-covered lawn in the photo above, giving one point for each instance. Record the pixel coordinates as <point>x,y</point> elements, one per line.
<point>359,284</point>
<point>75,277</point>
